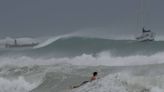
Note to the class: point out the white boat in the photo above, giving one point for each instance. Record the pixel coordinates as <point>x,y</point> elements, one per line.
<point>147,35</point>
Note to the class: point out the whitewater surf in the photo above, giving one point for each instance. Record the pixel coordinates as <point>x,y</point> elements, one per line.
<point>61,62</point>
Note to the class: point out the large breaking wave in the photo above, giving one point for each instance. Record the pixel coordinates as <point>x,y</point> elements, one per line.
<point>79,45</point>
<point>68,46</point>
<point>103,58</point>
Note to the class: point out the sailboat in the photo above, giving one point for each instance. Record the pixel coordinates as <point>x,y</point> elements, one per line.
<point>147,35</point>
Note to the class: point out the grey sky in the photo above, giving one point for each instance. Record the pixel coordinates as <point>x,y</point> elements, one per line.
<point>19,18</point>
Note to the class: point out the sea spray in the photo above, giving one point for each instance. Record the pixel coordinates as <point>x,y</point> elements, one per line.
<point>16,85</point>
<point>123,83</point>
<point>110,83</point>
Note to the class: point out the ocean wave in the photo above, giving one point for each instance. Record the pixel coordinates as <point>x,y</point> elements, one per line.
<point>123,83</point>
<point>68,45</point>
<point>52,40</point>
<point>13,70</point>
<point>117,82</point>
<point>60,77</point>
<point>71,46</point>
<point>103,58</point>
<point>16,85</point>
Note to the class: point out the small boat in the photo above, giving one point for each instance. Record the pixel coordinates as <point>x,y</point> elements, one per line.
<point>16,45</point>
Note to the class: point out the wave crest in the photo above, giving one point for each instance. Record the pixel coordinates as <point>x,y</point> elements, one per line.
<point>103,58</point>
<point>17,85</point>
<point>123,83</point>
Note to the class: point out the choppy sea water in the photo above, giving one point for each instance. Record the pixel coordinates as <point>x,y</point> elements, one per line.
<point>59,63</point>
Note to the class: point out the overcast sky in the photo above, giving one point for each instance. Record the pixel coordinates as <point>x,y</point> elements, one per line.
<point>19,18</point>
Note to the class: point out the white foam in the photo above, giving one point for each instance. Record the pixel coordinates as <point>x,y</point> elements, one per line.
<point>16,85</point>
<point>110,83</point>
<point>156,89</point>
<point>51,40</point>
<point>103,58</point>
<point>124,83</point>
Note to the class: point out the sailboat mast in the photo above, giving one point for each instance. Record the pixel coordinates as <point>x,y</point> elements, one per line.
<point>147,34</point>
<point>142,15</point>
<point>145,13</point>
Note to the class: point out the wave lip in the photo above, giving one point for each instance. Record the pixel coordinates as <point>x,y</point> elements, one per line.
<point>51,40</point>
<point>68,45</point>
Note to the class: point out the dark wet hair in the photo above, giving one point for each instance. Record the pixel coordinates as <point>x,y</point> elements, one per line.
<point>95,73</point>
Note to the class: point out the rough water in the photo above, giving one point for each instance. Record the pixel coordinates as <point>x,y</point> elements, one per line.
<point>62,62</point>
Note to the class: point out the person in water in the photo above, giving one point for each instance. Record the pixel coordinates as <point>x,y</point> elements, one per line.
<point>94,77</point>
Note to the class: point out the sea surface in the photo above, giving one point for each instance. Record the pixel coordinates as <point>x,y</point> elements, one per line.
<point>62,62</point>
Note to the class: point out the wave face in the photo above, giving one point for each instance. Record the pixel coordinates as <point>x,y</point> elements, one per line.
<point>75,46</point>
<point>79,45</point>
